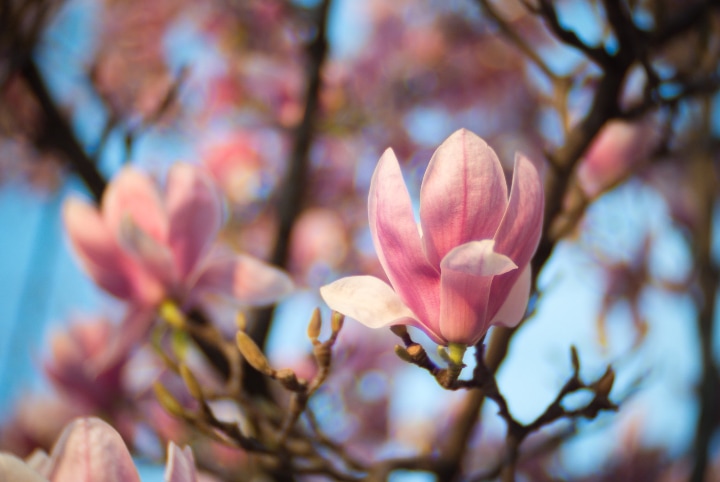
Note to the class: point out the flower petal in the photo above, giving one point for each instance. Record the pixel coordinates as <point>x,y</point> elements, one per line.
<point>132,193</point>
<point>90,449</point>
<point>512,310</point>
<point>15,470</point>
<point>154,257</point>
<point>463,195</point>
<point>397,241</point>
<point>519,232</point>
<point>373,303</point>
<point>477,258</point>
<point>195,214</point>
<point>247,280</point>
<point>467,275</point>
<point>180,465</point>
<point>97,248</point>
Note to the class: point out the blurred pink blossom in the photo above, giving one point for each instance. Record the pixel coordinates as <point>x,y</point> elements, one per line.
<point>89,450</point>
<point>236,166</point>
<point>616,150</point>
<point>146,248</point>
<point>469,267</point>
<point>318,242</point>
<point>84,366</point>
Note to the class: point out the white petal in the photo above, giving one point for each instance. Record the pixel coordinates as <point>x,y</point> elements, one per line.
<point>368,300</point>
<point>14,469</point>
<point>512,310</point>
<point>478,258</point>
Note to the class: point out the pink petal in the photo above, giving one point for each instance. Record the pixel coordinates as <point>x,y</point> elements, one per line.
<point>180,465</point>
<point>519,232</point>
<point>512,310</point>
<point>12,469</point>
<point>373,303</point>
<point>247,280</point>
<point>467,275</point>
<point>155,258</point>
<point>132,193</point>
<point>90,450</point>
<point>195,213</point>
<point>97,248</point>
<point>463,195</point>
<point>397,241</point>
<point>131,332</point>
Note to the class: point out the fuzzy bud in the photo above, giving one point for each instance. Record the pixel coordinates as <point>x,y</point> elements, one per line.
<point>313,329</point>
<point>167,400</point>
<point>191,382</point>
<point>251,352</point>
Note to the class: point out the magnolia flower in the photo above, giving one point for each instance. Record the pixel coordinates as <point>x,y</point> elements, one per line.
<point>89,450</point>
<point>468,266</point>
<point>143,247</point>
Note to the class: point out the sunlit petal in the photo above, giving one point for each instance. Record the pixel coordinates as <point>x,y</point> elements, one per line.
<point>463,194</point>
<point>195,215</point>
<point>397,240</point>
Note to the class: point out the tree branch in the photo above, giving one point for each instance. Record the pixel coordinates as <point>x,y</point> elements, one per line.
<point>293,190</point>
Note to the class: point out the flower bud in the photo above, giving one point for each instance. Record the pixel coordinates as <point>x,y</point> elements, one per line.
<point>251,352</point>
<point>191,382</point>
<point>313,329</point>
<point>170,312</point>
<point>167,400</point>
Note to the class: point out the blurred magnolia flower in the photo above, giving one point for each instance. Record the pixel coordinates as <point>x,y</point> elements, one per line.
<point>468,268</point>
<point>80,366</point>
<point>615,151</point>
<point>318,243</point>
<point>236,166</point>
<point>145,248</point>
<point>90,449</point>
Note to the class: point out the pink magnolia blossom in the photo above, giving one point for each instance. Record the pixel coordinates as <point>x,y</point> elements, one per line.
<point>145,247</point>
<point>91,450</point>
<point>617,149</point>
<point>468,268</point>
<point>84,366</point>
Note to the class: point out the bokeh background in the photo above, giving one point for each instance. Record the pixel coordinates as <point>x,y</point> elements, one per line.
<point>225,85</point>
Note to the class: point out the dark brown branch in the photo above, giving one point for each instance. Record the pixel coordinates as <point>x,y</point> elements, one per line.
<point>55,133</point>
<point>293,191</point>
<point>598,54</point>
<point>705,185</point>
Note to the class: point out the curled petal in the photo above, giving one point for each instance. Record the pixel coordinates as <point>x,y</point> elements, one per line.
<point>519,232</point>
<point>371,302</point>
<point>180,465</point>
<point>467,275</point>
<point>463,195</point>
<point>512,310</point>
<point>15,470</point>
<point>90,449</point>
<point>246,279</point>
<point>195,215</point>
<point>397,241</point>
<point>133,194</point>
<point>477,258</point>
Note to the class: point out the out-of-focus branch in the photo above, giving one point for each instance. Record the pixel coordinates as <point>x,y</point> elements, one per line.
<point>705,185</point>
<point>55,133</point>
<point>509,32</point>
<point>294,188</point>
<point>546,9</point>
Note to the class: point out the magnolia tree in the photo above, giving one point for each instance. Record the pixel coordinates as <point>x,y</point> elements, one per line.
<point>317,230</point>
